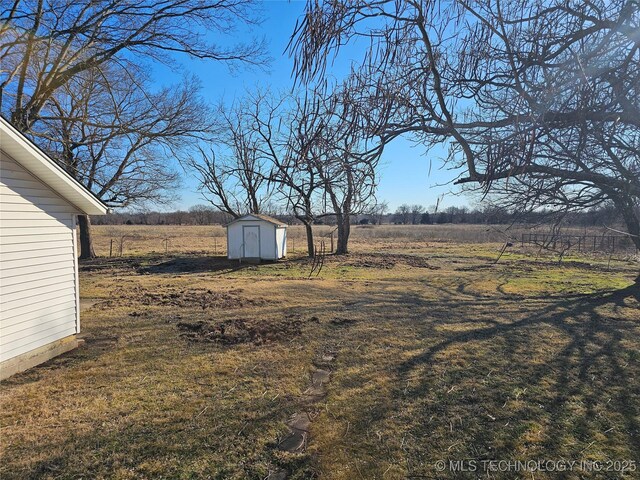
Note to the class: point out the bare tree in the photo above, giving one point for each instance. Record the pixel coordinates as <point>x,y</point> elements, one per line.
<point>416,212</point>
<point>234,174</point>
<point>203,214</point>
<point>403,214</point>
<point>305,151</point>
<point>378,212</point>
<point>120,143</point>
<point>329,162</point>
<point>346,159</point>
<point>286,127</point>
<point>43,45</point>
<point>538,100</point>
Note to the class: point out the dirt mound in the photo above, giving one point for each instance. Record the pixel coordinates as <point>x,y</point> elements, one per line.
<point>235,331</point>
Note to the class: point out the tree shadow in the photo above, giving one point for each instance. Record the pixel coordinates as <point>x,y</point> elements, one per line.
<point>574,354</point>
<point>195,264</point>
<point>90,350</point>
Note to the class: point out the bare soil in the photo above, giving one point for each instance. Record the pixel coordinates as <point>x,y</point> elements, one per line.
<point>235,331</point>
<point>202,298</point>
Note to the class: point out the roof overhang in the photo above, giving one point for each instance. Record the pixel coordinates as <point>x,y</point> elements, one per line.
<point>23,151</point>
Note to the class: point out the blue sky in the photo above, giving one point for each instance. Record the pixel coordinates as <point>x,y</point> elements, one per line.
<point>407,174</point>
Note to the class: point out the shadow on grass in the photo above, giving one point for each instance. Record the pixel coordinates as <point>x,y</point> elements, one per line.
<point>164,265</point>
<point>195,264</point>
<point>575,358</point>
<point>92,348</point>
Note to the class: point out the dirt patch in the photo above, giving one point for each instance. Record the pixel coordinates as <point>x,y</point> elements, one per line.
<point>342,321</point>
<point>236,331</point>
<point>201,298</point>
<point>371,261</point>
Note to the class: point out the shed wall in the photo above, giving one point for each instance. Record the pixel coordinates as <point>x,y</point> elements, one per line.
<point>281,239</point>
<point>235,239</point>
<point>38,291</point>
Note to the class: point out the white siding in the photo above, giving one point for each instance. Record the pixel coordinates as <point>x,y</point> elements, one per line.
<point>281,240</point>
<point>38,291</point>
<point>267,241</point>
<point>235,239</point>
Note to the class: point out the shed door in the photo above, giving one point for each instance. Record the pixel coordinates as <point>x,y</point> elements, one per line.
<point>251,241</point>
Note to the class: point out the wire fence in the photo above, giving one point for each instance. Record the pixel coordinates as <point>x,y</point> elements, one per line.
<point>136,244</point>
<point>606,243</point>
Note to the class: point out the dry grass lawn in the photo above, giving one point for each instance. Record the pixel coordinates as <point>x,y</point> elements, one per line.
<point>193,364</point>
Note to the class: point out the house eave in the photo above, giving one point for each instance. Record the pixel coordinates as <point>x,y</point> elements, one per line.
<point>23,151</point>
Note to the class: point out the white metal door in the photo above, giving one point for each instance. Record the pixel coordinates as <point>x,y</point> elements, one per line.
<point>251,241</point>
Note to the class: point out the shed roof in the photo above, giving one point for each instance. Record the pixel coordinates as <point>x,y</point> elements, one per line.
<point>27,154</point>
<point>259,216</point>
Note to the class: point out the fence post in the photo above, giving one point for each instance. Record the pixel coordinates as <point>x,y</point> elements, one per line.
<point>331,242</point>
<point>111,248</point>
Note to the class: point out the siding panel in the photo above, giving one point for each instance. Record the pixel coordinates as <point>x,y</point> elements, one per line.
<point>33,312</point>
<point>27,329</point>
<point>37,274</point>
<point>34,277</point>
<point>11,252</point>
<point>41,281</point>
<point>17,240</point>
<point>30,291</point>
<point>32,342</point>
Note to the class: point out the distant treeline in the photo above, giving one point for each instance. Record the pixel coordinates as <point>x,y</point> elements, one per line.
<point>404,215</point>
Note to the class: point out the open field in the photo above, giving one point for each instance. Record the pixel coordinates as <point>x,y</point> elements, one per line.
<point>193,364</point>
<point>174,239</point>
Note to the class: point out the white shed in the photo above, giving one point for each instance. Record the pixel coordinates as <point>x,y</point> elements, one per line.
<point>256,237</point>
<point>39,302</point>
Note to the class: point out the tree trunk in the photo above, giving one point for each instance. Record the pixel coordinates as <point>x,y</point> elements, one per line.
<point>344,229</point>
<point>86,242</point>
<point>632,221</point>
<point>309,230</point>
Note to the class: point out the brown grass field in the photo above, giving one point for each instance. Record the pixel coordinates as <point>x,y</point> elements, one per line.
<point>193,364</point>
